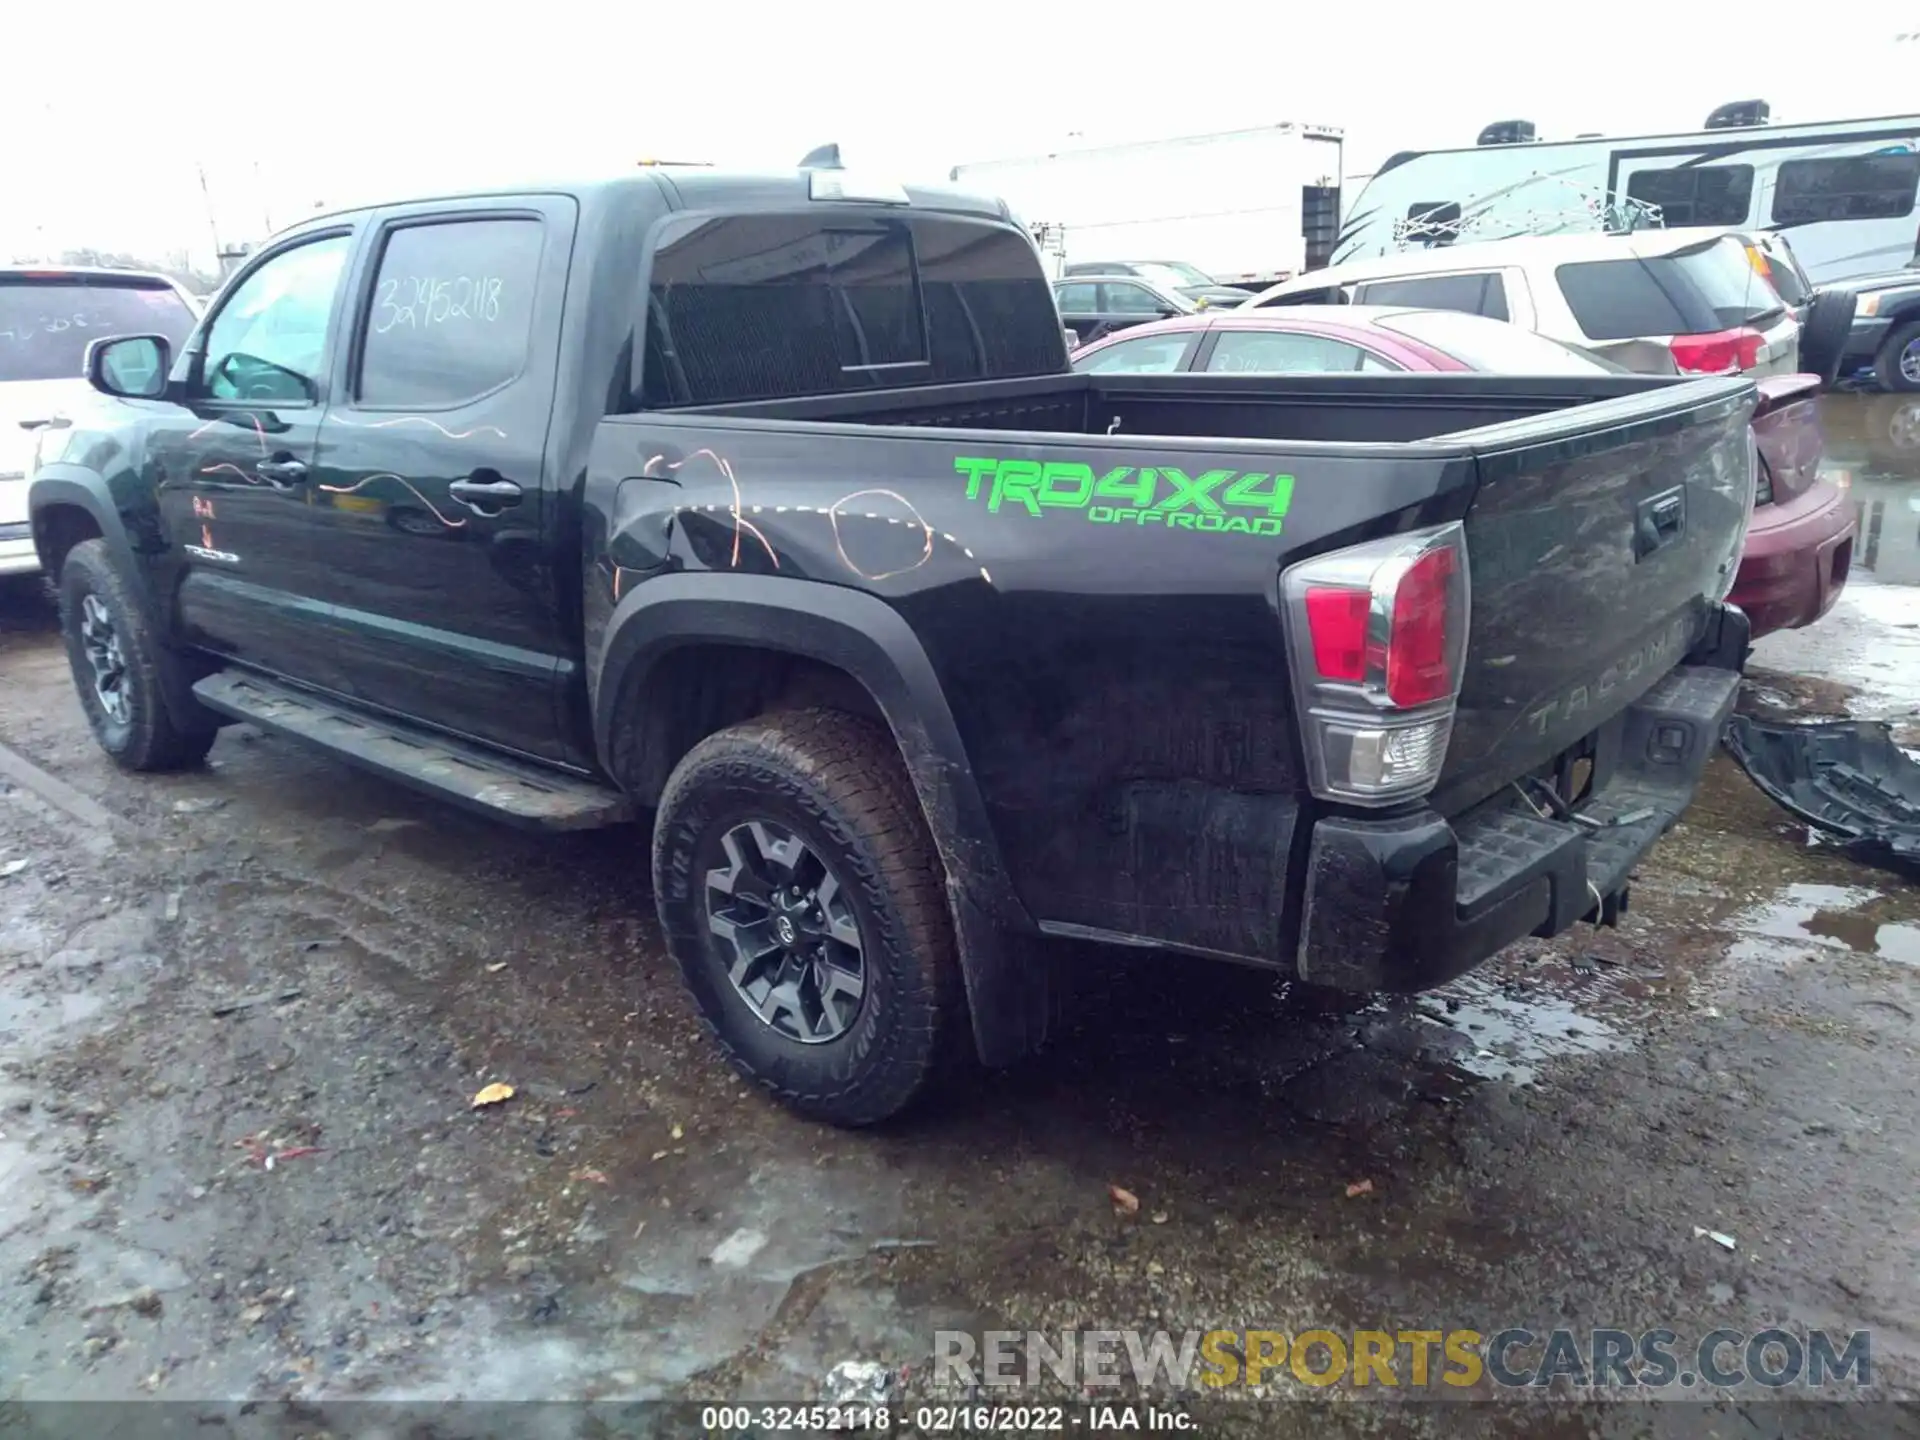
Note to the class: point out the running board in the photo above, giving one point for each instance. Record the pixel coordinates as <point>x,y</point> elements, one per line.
<point>519,793</point>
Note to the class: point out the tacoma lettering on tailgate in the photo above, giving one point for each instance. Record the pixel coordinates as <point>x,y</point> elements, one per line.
<point>1651,657</point>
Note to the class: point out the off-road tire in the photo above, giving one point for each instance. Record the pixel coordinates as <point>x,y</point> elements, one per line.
<point>148,738</point>
<point>1886,365</point>
<point>837,782</point>
<point>1824,340</point>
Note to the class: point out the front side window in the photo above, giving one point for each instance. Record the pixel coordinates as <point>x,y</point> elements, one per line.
<point>452,312</point>
<point>1849,187</point>
<point>1124,299</point>
<point>1282,352</point>
<point>1696,194</point>
<point>1479,294</point>
<point>268,342</point>
<point>1148,355</point>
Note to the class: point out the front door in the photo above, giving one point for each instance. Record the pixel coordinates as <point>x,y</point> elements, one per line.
<point>231,464</point>
<point>431,472</point>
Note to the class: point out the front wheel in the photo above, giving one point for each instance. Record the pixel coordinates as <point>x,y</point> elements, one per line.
<point>1897,366</point>
<point>804,902</point>
<point>118,667</point>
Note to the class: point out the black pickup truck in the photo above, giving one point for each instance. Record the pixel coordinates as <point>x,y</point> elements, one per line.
<point>767,511</point>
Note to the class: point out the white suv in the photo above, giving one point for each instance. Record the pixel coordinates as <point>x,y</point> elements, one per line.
<point>48,314</point>
<point>1655,301</point>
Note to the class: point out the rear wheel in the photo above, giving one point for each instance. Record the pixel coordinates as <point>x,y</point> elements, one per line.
<point>119,667</point>
<point>1898,364</point>
<point>804,902</point>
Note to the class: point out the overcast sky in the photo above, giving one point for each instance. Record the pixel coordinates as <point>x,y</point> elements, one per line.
<point>104,122</point>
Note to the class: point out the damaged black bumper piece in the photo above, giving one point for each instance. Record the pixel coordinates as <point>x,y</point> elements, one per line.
<point>1410,902</point>
<point>1846,778</point>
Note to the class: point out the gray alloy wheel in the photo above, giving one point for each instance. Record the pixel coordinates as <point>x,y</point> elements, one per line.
<point>786,933</point>
<point>100,640</point>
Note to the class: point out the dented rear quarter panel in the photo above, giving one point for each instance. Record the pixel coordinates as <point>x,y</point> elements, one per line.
<point>1099,614</point>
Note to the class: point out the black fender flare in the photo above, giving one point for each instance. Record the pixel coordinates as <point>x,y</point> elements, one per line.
<point>62,484</point>
<point>866,638</point>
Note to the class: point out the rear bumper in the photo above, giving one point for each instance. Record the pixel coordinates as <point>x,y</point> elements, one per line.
<point>1411,902</point>
<point>1796,559</point>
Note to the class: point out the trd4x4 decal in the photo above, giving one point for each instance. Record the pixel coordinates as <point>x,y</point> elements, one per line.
<point>1231,501</point>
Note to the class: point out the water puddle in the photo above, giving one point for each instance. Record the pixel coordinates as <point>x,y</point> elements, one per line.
<point>1806,919</point>
<point>1509,1032</point>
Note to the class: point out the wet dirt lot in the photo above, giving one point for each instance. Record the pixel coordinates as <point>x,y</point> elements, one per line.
<point>242,1014</point>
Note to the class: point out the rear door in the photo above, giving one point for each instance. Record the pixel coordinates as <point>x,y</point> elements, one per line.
<point>432,480</point>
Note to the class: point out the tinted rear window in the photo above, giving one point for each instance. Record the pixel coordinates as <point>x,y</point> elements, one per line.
<point>46,322</point>
<point>755,307</point>
<point>1692,292</point>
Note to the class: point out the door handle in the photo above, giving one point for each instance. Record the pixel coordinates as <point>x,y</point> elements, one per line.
<point>281,472</point>
<point>485,496</point>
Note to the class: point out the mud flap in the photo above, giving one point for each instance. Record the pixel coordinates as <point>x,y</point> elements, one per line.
<point>1846,778</point>
<point>1007,987</point>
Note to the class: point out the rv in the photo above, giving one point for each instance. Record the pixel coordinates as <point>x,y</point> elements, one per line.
<point>1843,191</point>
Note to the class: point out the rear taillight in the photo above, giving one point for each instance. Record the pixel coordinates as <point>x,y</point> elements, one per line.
<point>1719,352</point>
<point>1377,635</point>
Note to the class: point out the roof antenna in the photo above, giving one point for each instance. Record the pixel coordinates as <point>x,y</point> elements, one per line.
<point>824,157</point>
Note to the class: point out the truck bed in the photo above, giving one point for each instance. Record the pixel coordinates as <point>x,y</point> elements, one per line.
<point>1122,689</point>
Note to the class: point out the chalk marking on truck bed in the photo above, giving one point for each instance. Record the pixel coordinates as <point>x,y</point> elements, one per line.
<point>834,514</point>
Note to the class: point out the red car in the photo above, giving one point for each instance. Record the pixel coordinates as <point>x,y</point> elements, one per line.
<point>1801,540</point>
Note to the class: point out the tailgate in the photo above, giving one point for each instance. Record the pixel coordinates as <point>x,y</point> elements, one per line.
<point>1596,539</point>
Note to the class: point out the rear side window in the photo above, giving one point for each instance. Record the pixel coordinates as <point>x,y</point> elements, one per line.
<point>47,321</point>
<point>452,312</point>
<point>1483,294</point>
<point>1125,299</point>
<point>1851,187</point>
<point>759,306</point>
<point>1148,355</point>
<point>1696,194</point>
<point>1080,299</point>
<point>1691,292</point>
<point>1281,352</point>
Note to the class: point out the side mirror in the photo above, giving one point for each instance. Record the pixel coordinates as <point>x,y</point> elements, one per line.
<point>1071,336</point>
<point>1167,312</point>
<point>130,367</point>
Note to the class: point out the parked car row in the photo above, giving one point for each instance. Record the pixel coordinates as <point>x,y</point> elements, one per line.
<point>1799,545</point>
<point>1667,300</point>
